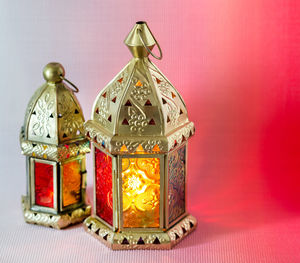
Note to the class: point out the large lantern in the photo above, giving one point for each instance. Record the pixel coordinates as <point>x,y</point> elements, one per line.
<point>139,131</point>
<point>53,141</point>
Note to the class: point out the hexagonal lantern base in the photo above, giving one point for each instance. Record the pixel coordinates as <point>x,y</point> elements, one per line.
<point>56,221</point>
<point>141,239</point>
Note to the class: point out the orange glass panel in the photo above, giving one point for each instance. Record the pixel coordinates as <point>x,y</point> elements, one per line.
<point>155,148</point>
<point>141,192</point>
<point>124,148</point>
<point>71,183</point>
<point>139,149</point>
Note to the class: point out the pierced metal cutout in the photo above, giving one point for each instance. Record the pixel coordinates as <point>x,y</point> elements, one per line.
<point>151,122</point>
<point>125,122</point>
<point>141,241</point>
<point>156,241</point>
<point>125,241</point>
<point>148,103</point>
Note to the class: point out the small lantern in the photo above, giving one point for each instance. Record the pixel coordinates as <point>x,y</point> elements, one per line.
<point>53,141</point>
<point>139,131</point>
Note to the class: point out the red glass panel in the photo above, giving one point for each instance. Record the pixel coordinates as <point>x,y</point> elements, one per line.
<point>43,184</point>
<point>104,200</point>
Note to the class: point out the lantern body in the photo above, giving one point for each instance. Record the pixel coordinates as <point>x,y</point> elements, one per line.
<point>53,141</point>
<point>139,131</point>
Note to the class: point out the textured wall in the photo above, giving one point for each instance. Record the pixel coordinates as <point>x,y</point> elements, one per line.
<point>236,64</point>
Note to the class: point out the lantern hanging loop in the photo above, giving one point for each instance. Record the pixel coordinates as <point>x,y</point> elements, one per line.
<point>75,90</point>
<point>139,31</point>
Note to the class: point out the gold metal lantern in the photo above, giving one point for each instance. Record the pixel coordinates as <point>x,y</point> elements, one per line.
<point>139,131</point>
<point>52,138</point>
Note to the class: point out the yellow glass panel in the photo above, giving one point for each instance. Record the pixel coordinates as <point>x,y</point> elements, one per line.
<point>139,84</point>
<point>141,192</point>
<point>71,183</point>
<point>124,148</point>
<point>140,149</point>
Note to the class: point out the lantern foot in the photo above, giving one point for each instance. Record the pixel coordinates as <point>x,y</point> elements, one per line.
<point>140,239</point>
<point>58,221</point>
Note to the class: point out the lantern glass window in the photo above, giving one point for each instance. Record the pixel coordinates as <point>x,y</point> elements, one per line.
<point>141,192</point>
<point>71,182</point>
<point>104,186</point>
<point>43,175</point>
<point>176,186</point>
<point>43,185</point>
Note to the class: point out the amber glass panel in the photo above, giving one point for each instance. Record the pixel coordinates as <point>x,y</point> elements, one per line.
<point>104,198</point>
<point>141,192</point>
<point>71,183</point>
<point>176,188</point>
<point>43,174</point>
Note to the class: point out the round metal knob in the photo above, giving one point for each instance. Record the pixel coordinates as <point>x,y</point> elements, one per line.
<point>54,72</point>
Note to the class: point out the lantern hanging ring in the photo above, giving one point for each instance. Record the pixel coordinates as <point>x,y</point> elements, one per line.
<point>75,90</point>
<point>148,49</point>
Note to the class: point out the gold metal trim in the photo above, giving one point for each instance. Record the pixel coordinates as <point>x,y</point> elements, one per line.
<point>113,144</point>
<point>115,240</point>
<point>115,193</point>
<point>57,221</point>
<point>52,152</point>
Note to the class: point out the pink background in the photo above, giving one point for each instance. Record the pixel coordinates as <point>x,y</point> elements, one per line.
<point>236,64</point>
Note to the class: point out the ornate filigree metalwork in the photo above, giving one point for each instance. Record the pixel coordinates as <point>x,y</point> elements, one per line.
<point>53,116</point>
<point>114,143</point>
<point>179,136</point>
<point>139,92</point>
<point>58,221</point>
<point>70,121</point>
<point>140,240</point>
<point>53,152</point>
<point>146,105</point>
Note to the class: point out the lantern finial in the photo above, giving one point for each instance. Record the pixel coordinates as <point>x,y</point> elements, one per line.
<point>139,38</point>
<point>53,72</point>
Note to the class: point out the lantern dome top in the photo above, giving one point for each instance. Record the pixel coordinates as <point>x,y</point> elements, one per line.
<point>139,107</point>
<point>53,115</point>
